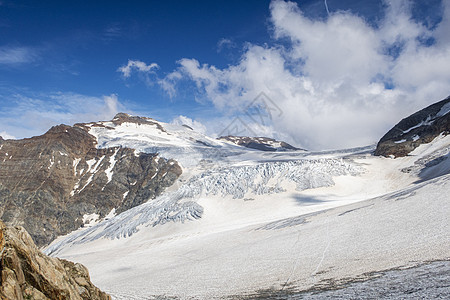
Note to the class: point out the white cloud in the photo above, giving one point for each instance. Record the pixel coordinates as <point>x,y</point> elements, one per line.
<point>6,136</point>
<point>168,83</point>
<point>16,55</point>
<point>340,82</point>
<point>35,114</point>
<point>195,125</point>
<point>138,66</point>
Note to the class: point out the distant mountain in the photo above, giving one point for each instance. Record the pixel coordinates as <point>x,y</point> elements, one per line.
<point>56,183</point>
<point>259,143</point>
<point>26,273</point>
<point>419,128</point>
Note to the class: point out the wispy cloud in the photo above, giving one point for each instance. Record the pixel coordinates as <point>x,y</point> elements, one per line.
<point>225,44</point>
<point>137,66</point>
<point>168,83</point>
<point>25,115</point>
<point>112,32</point>
<point>10,55</point>
<point>339,81</point>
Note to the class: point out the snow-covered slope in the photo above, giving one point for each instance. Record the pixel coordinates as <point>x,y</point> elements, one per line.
<point>178,142</point>
<point>398,230</point>
<point>240,221</point>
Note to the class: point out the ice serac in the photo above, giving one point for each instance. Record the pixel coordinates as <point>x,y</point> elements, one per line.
<point>49,182</point>
<point>419,128</point>
<point>26,273</point>
<point>259,143</point>
<point>236,182</point>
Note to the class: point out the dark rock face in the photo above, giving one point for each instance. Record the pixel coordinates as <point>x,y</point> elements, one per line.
<point>48,182</point>
<point>419,128</point>
<point>26,273</point>
<point>259,143</point>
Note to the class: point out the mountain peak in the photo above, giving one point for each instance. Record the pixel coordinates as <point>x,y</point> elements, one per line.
<point>419,128</point>
<point>64,168</point>
<point>124,117</point>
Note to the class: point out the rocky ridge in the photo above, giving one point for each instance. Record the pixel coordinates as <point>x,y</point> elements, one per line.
<point>26,273</point>
<point>54,183</point>
<point>419,128</point>
<point>259,143</point>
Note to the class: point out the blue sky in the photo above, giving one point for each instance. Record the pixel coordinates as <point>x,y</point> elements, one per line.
<point>340,78</point>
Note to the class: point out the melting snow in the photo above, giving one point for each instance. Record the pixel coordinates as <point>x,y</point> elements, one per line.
<point>426,122</point>
<point>112,163</point>
<point>75,163</point>
<point>444,110</point>
<point>111,214</point>
<point>92,171</point>
<point>90,220</point>
<point>51,162</point>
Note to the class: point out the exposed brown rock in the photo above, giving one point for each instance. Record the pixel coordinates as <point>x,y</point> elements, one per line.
<point>48,182</point>
<point>121,118</point>
<point>26,273</point>
<point>419,128</point>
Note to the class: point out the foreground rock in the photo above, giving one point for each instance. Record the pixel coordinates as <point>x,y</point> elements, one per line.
<point>26,273</point>
<point>259,143</point>
<point>55,183</point>
<point>419,128</point>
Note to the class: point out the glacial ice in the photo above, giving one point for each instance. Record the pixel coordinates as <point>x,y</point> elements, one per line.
<point>235,181</point>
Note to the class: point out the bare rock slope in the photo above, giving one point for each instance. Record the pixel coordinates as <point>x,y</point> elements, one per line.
<point>259,143</point>
<point>49,183</point>
<point>419,128</point>
<point>26,273</point>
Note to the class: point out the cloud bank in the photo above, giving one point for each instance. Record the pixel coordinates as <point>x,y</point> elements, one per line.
<point>35,114</point>
<point>339,81</point>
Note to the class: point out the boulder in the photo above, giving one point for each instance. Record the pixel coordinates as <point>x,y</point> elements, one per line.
<point>26,273</point>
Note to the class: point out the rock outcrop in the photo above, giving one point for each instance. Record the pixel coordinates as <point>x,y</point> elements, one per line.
<point>26,273</point>
<point>419,128</point>
<point>54,183</point>
<point>259,143</point>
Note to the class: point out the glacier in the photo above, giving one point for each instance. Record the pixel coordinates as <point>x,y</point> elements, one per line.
<point>240,222</point>
<point>235,181</point>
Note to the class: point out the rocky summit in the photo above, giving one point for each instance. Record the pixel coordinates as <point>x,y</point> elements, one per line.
<point>419,128</point>
<point>259,143</point>
<point>57,182</point>
<point>26,273</point>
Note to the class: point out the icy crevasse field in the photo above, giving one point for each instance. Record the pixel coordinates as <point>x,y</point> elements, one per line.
<point>239,222</point>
